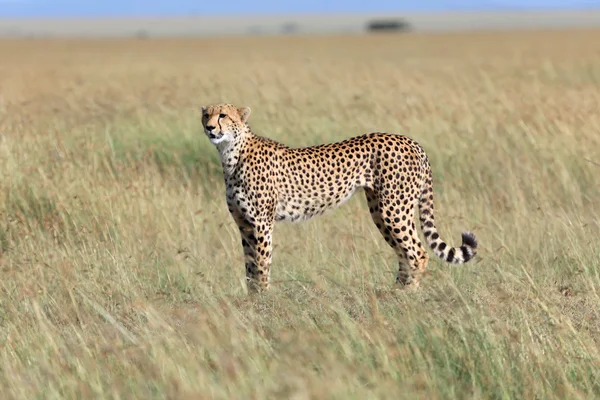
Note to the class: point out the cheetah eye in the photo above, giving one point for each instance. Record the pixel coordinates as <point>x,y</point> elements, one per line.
<point>222,115</point>
<point>205,115</point>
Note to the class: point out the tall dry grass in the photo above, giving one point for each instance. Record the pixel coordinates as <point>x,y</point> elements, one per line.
<point>122,273</point>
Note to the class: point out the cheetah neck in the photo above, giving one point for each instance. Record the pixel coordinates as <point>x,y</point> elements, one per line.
<point>230,152</point>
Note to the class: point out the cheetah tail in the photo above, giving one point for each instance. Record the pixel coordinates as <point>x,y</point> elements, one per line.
<point>453,255</point>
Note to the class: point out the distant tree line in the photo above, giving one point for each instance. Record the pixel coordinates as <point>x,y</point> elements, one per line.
<point>376,25</point>
<point>388,25</point>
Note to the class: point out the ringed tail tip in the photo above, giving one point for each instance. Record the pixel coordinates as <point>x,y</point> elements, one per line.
<point>469,240</point>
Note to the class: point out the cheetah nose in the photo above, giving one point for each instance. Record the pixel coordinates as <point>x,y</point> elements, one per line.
<point>210,128</point>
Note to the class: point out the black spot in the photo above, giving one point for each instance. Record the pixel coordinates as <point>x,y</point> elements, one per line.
<point>450,256</point>
<point>465,253</point>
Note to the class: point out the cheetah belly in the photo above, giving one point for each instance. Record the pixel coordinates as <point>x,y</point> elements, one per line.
<point>304,207</point>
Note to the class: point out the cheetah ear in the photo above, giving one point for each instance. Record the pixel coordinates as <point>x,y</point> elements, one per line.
<point>244,113</point>
<point>203,109</point>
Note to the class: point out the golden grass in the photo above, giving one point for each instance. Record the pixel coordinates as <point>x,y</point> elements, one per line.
<point>122,273</point>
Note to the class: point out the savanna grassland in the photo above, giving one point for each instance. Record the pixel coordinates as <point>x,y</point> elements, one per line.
<point>122,272</point>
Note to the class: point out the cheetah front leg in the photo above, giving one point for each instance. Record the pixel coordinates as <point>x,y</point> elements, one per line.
<point>257,243</point>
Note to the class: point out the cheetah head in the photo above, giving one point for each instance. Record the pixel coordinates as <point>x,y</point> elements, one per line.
<point>224,122</point>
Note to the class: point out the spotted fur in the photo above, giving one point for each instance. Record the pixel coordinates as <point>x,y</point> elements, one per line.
<point>267,181</point>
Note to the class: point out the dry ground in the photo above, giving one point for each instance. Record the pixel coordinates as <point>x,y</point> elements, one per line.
<point>122,273</point>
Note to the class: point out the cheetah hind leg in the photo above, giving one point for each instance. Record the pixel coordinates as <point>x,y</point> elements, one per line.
<point>401,236</point>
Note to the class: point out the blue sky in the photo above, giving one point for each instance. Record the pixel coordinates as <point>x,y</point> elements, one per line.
<point>66,8</point>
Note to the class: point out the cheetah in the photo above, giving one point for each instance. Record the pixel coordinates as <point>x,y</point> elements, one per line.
<point>267,182</point>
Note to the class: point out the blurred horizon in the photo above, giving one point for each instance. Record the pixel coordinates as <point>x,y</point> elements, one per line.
<point>187,18</point>
<point>156,8</point>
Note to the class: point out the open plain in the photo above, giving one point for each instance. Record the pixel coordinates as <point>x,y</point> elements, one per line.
<point>122,271</point>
